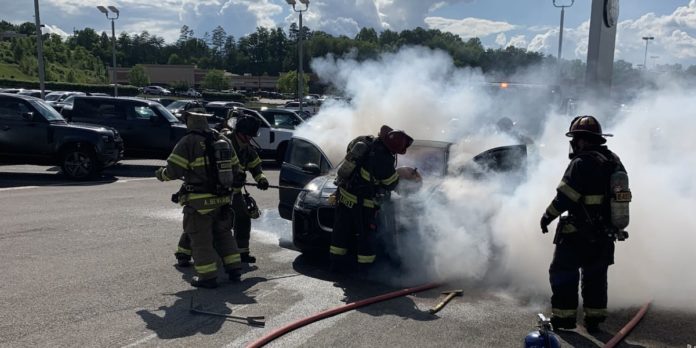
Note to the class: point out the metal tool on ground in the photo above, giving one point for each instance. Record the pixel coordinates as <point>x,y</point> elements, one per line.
<point>278,187</point>
<point>450,295</point>
<point>251,320</point>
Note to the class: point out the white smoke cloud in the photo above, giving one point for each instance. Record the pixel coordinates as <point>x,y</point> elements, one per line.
<point>487,231</point>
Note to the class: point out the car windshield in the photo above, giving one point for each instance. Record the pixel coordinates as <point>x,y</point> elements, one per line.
<point>69,100</point>
<point>166,114</point>
<point>177,105</point>
<point>48,112</point>
<point>53,97</point>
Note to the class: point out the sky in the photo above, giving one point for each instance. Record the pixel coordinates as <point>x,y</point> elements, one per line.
<point>530,24</point>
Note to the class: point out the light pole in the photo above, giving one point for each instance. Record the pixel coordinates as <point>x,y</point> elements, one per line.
<point>645,58</point>
<point>113,9</point>
<point>300,78</point>
<point>39,49</point>
<point>560,33</point>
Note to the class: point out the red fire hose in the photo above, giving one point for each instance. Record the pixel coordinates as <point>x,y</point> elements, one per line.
<point>627,329</point>
<point>331,312</point>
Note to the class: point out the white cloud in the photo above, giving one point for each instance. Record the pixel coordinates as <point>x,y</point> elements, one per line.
<point>263,10</point>
<point>53,29</point>
<point>501,39</point>
<point>468,27</point>
<point>519,41</point>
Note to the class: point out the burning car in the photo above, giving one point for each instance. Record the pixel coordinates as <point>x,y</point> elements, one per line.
<point>307,167</point>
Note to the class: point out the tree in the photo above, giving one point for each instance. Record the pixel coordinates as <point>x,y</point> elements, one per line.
<point>216,80</point>
<point>138,77</point>
<point>287,83</point>
<point>174,59</point>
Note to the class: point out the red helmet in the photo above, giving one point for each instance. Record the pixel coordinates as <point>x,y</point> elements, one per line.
<point>587,125</point>
<point>397,141</point>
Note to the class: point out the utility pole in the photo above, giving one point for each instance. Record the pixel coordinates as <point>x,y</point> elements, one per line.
<point>645,58</point>
<point>39,49</point>
<point>113,9</point>
<point>560,33</point>
<point>300,78</point>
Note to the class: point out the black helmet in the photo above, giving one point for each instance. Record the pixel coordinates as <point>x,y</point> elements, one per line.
<point>587,126</point>
<point>248,126</point>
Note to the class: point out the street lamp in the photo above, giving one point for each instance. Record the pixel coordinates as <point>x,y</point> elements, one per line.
<point>113,9</point>
<point>39,49</point>
<point>300,78</point>
<point>560,32</point>
<point>645,58</point>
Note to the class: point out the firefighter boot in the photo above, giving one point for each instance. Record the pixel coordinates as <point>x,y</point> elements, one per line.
<point>182,260</point>
<point>562,323</point>
<point>235,275</point>
<point>246,258</point>
<point>204,283</point>
<point>592,325</point>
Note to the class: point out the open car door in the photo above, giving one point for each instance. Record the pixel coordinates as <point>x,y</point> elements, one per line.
<point>303,162</point>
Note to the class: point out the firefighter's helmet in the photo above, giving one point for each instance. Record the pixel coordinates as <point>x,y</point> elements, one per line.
<point>195,120</point>
<point>248,126</point>
<point>396,141</point>
<point>588,126</point>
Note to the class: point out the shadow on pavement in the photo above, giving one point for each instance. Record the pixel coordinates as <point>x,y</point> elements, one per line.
<point>357,287</point>
<point>53,177</point>
<point>178,321</point>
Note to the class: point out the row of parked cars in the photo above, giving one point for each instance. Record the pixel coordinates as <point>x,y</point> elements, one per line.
<point>85,134</point>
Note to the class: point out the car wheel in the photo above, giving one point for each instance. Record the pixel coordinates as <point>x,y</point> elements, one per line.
<point>79,163</point>
<point>280,153</point>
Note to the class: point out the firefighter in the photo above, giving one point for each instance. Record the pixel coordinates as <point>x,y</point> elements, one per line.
<point>584,239</point>
<point>365,176</point>
<point>245,129</point>
<point>205,161</point>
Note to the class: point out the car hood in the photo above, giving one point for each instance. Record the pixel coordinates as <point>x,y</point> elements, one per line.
<point>318,190</point>
<point>87,126</point>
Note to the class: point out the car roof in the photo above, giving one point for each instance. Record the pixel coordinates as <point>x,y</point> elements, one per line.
<point>19,96</point>
<point>134,99</point>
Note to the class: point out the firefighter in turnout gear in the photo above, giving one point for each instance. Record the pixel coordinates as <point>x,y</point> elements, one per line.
<point>366,175</point>
<point>585,236</point>
<point>205,161</point>
<point>244,130</point>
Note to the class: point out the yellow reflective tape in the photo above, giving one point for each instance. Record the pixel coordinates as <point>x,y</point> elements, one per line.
<point>237,190</point>
<point>183,251</point>
<point>178,160</point>
<point>259,177</point>
<point>365,174</point>
<point>198,162</point>
<point>568,228</point>
<point>338,251</point>
<point>234,160</point>
<point>390,180</point>
<point>254,163</point>
<point>594,199</point>
<point>595,312</point>
<point>366,258</point>
<point>204,211</point>
<point>165,176</point>
<point>564,313</point>
<point>243,250</point>
<point>551,210</point>
<point>192,196</point>
<point>568,191</point>
<point>232,259</point>
<point>211,267</point>
<point>349,199</point>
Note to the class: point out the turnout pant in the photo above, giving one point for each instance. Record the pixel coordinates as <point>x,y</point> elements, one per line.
<point>354,233</point>
<point>577,260</point>
<point>209,238</point>
<point>242,223</point>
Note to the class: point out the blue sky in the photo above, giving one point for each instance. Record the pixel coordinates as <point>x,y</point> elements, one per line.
<point>530,24</point>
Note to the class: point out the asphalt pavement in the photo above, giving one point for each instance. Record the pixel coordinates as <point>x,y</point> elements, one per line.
<point>91,264</point>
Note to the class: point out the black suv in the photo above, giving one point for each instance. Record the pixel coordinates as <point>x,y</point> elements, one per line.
<point>32,132</point>
<point>148,129</point>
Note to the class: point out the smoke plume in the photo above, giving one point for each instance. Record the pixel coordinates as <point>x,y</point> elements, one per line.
<point>485,230</point>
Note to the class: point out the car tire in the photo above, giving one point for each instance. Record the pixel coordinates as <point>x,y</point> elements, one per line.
<point>79,162</point>
<point>280,153</point>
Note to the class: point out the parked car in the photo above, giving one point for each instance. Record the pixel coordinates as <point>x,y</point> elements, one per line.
<point>295,106</point>
<point>177,107</point>
<point>32,132</point>
<point>272,140</point>
<point>191,93</point>
<point>221,108</point>
<point>57,97</point>
<point>307,166</point>
<point>148,129</point>
<point>36,93</point>
<point>156,90</point>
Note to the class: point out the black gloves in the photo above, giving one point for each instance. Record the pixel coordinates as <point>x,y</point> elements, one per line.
<point>545,221</point>
<point>262,184</point>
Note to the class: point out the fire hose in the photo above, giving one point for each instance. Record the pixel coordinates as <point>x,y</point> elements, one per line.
<point>629,326</point>
<point>278,187</point>
<point>331,312</point>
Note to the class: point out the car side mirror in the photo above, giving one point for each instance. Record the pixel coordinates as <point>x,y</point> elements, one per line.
<point>28,116</point>
<point>311,168</point>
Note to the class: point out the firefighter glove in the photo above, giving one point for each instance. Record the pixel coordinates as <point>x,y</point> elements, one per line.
<point>545,221</point>
<point>262,184</point>
<point>159,173</point>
